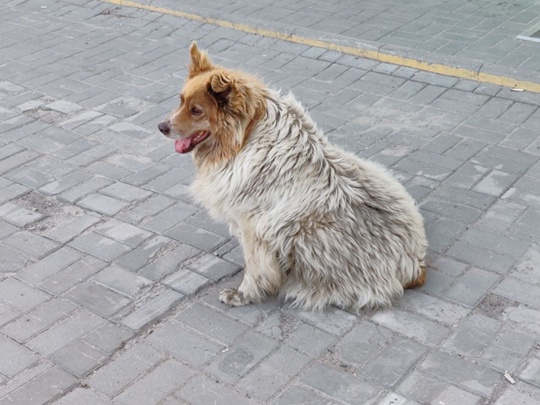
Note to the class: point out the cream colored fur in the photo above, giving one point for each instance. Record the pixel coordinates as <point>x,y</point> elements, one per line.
<point>318,225</point>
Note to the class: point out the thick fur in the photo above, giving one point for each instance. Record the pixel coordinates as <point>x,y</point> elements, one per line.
<point>318,225</point>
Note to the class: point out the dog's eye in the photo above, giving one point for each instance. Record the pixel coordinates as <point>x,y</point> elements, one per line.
<point>195,111</point>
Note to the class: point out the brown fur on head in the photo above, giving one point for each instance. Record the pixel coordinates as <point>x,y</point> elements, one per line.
<point>217,104</point>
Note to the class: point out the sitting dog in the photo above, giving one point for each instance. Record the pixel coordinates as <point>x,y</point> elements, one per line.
<point>318,225</point>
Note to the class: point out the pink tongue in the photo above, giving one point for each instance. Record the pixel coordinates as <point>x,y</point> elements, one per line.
<point>182,145</point>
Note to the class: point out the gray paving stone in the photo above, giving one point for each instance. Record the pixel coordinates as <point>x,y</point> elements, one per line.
<point>31,244</point>
<point>519,291</point>
<point>12,260</point>
<point>412,325</point>
<point>49,265</point>
<point>212,323</point>
<point>79,191</point>
<point>108,337</point>
<point>20,295</point>
<point>72,275</point>
<point>46,386</point>
<point>470,288</point>
<point>483,258</point>
<point>14,357</point>
<point>147,208</point>
<point>426,388</point>
<point>108,170</point>
<point>500,217</point>
<point>103,204</point>
<point>443,232</point>
<point>81,396</point>
<point>64,107</point>
<point>145,253</point>
<point>39,319</point>
<point>99,246</point>
<point>212,267</point>
<point>121,280</point>
<point>156,304</point>
<point>495,183</point>
<point>186,281</point>
<point>526,228</point>
<point>489,241</point>
<point>194,350</point>
<point>30,177</point>
<point>19,216</point>
<point>247,352</point>
<point>156,385</point>
<point>276,325</point>
<point>310,340</point>
<point>195,236</point>
<point>64,332</point>
<point>363,342</point>
<point>123,232</point>
<point>468,197</point>
<point>144,176</point>
<point>473,377</point>
<point>509,349</point>
<point>432,307</point>
<point>332,320</point>
<point>168,261</point>
<point>16,160</point>
<point>66,182</point>
<point>7,229</point>
<point>125,192</point>
<point>79,358</point>
<point>531,373</point>
<point>204,390</point>
<point>124,369</point>
<point>85,294</point>
<point>393,363</point>
<point>339,385</point>
<point>300,395</point>
<point>473,335</point>
<point>91,155</point>
<point>79,119</point>
<point>168,217</point>
<point>517,395</point>
<point>7,314</point>
<point>268,377</point>
<point>66,232</point>
<point>504,159</point>
<point>528,268</point>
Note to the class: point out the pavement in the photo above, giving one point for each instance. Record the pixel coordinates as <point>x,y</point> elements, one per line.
<point>109,273</point>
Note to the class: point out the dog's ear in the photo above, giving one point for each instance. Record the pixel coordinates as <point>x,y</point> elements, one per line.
<point>228,92</point>
<point>200,62</point>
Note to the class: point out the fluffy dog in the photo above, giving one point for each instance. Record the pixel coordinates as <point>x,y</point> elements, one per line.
<point>318,225</point>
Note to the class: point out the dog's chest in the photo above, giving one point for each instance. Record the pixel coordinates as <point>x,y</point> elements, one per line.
<point>223,191</point>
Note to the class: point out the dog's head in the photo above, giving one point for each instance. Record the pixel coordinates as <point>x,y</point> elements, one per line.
<point>218,108</point>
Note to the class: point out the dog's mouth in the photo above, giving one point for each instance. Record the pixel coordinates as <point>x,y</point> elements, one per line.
<point>186,145</point>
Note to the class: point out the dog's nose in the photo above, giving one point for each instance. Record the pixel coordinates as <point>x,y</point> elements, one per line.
<point>164,128</point>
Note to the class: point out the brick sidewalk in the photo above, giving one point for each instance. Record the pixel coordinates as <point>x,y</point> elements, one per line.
<point>109,272</point>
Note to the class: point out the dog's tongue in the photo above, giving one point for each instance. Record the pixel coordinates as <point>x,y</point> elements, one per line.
<point>183,145</point>
<point>188,144</point>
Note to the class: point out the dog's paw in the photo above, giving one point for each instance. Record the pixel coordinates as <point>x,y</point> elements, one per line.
<point>233,297</point>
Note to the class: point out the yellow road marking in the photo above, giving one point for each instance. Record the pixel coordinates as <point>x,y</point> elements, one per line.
<point>349,50</point>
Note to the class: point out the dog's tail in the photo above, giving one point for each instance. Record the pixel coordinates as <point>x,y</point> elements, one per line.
<point>420,280</point>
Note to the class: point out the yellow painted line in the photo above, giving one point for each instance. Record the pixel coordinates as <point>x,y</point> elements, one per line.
<point>349,50</point>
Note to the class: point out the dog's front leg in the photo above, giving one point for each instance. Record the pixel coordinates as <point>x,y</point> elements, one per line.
<point>262,276</point>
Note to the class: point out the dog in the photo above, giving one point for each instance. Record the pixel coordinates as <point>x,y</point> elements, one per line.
<point>318,226</point>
